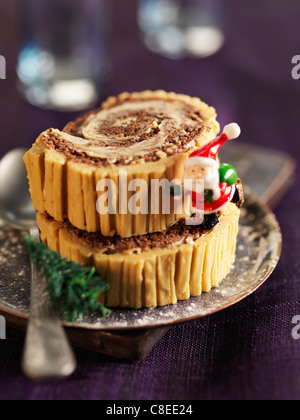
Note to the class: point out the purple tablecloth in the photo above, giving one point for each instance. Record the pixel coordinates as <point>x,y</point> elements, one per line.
<point>246,351</point>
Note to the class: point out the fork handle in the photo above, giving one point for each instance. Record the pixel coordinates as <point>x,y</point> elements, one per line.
<point>47,353</point>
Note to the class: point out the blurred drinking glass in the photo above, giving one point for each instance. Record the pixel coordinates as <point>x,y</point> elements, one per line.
<point>182,28</point>
<point>64,60</point>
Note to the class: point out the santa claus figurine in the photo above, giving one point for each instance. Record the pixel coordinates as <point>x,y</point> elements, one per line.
<point>219,179</point>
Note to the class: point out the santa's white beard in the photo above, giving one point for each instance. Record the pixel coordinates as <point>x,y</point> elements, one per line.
<point>211,182</point>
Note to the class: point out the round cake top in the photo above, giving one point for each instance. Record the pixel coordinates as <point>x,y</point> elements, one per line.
<point>136,128</point>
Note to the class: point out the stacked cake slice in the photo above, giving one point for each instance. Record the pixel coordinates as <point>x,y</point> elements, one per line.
<point>102,191</point>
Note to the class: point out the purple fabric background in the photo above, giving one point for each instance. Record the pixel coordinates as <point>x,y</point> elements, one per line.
<point>244,352</point>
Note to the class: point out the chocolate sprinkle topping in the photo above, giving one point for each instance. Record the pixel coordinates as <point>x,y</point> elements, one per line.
<point>176,235</point>
<point>127,126</point>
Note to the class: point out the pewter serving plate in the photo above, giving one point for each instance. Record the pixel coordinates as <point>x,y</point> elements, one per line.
<point>258,252</point>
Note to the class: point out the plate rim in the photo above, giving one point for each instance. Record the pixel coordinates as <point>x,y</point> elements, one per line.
<point>85,326</point>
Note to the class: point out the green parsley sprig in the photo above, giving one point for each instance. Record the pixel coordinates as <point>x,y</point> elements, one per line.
<point>73,288</point>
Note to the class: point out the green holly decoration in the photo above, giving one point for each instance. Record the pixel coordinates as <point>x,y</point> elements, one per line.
<point>228,174</point>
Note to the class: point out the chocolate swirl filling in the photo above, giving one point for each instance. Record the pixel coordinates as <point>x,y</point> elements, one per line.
<point>130,131</point>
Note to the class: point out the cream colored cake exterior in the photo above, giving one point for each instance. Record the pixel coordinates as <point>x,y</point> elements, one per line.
<point>66,189</point>
<point>156,277</point>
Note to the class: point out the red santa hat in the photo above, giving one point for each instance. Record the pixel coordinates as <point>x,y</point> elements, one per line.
<point>207,155</point>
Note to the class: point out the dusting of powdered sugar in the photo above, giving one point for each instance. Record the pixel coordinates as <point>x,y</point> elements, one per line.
<point>258,251</point>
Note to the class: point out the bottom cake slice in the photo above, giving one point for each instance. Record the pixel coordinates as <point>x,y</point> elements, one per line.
<point>155,269</point>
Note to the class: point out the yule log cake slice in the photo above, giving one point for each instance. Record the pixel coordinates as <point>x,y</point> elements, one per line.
<point>145,136</point>
<point>154,269</point>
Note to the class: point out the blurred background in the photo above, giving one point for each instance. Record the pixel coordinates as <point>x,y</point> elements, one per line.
<point>235,55</point>
<point>240,63</point>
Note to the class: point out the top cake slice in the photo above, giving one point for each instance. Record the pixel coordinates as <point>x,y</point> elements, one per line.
<point>140,128</point>
<point>132,137</point>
